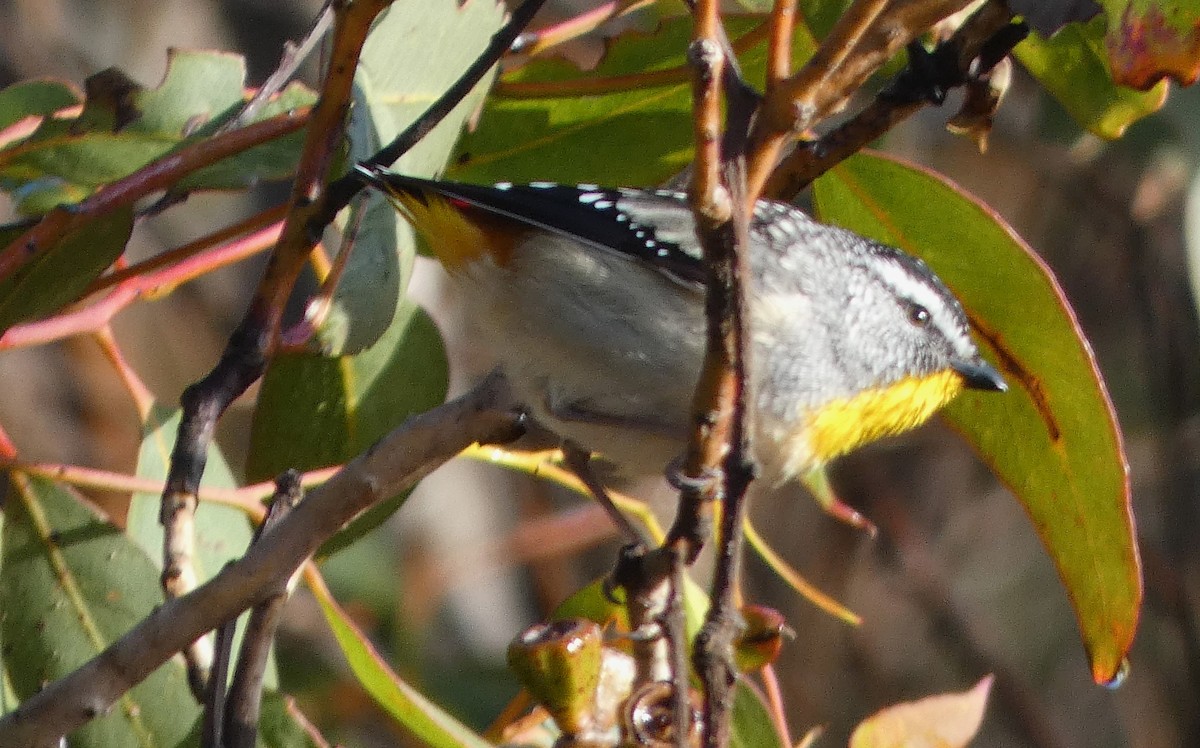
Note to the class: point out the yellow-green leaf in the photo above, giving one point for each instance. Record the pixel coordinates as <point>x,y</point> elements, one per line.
<point>946,720</point>
<point>70,585</point>
<point>1053,438</point>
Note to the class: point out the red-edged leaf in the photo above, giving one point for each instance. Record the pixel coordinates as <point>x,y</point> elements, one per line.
<point>1053,438</point>
<point>1073,67</point>
<point>946,720</point>
<point>1149,40</point>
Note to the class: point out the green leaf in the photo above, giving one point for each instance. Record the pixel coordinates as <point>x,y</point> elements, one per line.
<point>273,160</point>
<point>222,533</point>
<point>36,98</point>
<point>397,79</point>
<point>59,274</point>
<point>123,127</point>
<point>639,134</point>
<point>314,411</point>
<point>592,603</point>
<point>1053,438</point>
<point>70,585</point>
<point>427,721</point>
<point>1072,66</point>
<point>753,726</point>
<point>1149,40</point>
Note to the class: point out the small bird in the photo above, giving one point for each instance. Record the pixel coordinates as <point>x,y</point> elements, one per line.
<point>592,301</point>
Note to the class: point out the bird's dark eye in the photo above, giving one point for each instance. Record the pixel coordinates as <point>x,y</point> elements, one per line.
<point>918,315</point>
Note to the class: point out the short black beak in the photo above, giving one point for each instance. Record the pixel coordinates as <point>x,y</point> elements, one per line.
<point>980,375</point>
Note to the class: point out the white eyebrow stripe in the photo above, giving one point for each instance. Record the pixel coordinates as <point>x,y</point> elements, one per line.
<point>903,283</point>
<point>917,290</point>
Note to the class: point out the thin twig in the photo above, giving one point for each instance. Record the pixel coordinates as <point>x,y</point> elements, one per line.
<point>96,315</point>
<point>392,465</point>
<point>291,59</point>
<point>181,253</point>
<point>157,175</point>
<point>142,398</point>
<point>779,45</point>
<point>602,84</point>
<point>245,692</point>
<point>246,353</point>
<point>535,42</point>
<point>343,190</point>
<point>232,713</point>
<point>864,38</point>
<point>900,100</point>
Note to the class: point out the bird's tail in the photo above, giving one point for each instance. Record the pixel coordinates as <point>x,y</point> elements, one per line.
<point>453,227</point>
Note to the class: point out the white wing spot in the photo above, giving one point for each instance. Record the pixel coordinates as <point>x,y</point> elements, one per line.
<point>543,185</point>
<point>590,197</point>
<point>603,204</point>
<point>503,185</point>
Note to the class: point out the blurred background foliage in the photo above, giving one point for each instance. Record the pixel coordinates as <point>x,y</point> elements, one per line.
<point>955,586</point>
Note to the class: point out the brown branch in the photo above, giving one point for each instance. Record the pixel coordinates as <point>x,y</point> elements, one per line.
<point>864,38</point>
<point>717,463</point>
<point>291,59</point>
<point>779,44</point>
<point>246,353</point>
<point>158,175</point>
<point>391,466</point>
<point>988,29</point>
<point>535,42</point>
<point>96,315</point>
<point>191,249</point>
<point>245,692</point>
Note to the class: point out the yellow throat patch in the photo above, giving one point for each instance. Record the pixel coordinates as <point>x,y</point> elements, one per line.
<point>846,424</point>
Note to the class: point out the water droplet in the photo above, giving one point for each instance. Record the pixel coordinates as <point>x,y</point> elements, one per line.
<point>1119,678</point>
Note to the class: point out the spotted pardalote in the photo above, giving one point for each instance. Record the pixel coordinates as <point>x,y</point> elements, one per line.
<point>592,301</point>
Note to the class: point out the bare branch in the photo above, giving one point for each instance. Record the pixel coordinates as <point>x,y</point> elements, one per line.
<point>392,465</point>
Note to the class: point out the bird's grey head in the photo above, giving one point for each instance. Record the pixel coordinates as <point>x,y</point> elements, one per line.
<point>863,314</point>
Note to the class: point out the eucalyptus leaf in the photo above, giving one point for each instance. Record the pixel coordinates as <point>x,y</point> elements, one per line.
<point>70,585</point>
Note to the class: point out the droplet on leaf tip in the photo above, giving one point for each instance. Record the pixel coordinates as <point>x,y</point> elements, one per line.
<point>1119,677</point>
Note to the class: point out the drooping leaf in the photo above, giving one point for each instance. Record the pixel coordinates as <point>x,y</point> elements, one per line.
<point>57,276</point>
<point>550,121</point>
<point>123,127</point>
<point>1072,66</point>
<point>947,720</point>
<point>1149,40</point>
<point>407,705</point>
<point>397,79</point>
<point>35,98</point>
<point>1053,438</point>
<point>70,585</point>
<point>315,411</point>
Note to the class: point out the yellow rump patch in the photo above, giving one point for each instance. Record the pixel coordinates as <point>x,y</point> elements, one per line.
<point>456,238</point>
<point>849,423</point>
